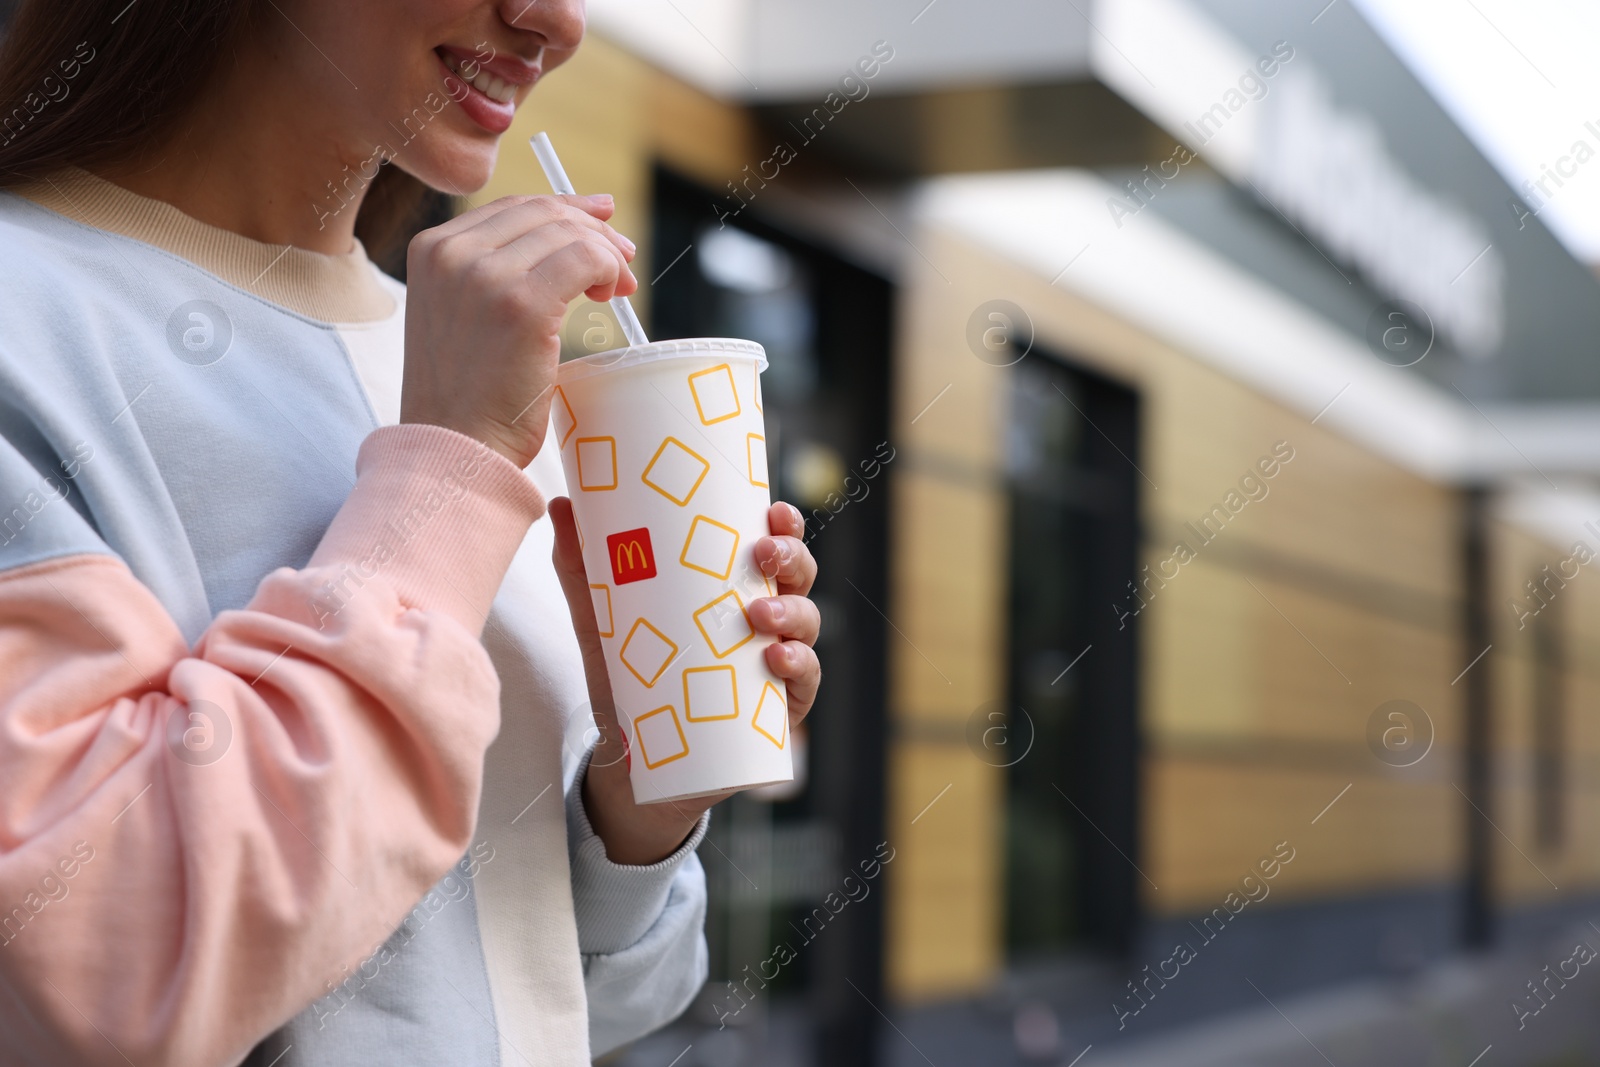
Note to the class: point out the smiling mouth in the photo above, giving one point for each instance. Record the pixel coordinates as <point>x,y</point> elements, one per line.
<point>496,89</point>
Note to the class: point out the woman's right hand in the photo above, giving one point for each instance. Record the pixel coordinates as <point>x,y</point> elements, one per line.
<point>486,295</point>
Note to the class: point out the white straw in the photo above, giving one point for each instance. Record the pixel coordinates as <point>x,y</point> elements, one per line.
<point>557,176</point>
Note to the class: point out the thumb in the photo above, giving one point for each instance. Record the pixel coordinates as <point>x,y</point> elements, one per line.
<point>566,555</point>
<point>568,560</point>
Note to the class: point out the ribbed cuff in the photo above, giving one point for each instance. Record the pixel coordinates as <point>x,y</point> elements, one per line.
<point>616,904</point>
<point>437,515</point>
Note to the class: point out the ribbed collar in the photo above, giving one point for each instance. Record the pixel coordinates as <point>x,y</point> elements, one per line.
<point>330,288</point>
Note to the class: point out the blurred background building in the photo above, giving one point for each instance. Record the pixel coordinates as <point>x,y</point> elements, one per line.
<point>1197,433</point>
<point>1199,436</point>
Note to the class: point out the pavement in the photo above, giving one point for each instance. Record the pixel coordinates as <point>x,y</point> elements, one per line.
<point>1537,1005</point>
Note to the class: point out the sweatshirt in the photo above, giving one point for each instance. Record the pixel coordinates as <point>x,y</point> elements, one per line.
<point>293,720</point>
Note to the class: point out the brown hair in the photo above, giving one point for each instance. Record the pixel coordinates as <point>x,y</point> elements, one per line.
<point>87,82</point>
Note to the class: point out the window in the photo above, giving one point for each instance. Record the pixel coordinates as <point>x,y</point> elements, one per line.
<point>1070,447</point>
<point>1549,728</point>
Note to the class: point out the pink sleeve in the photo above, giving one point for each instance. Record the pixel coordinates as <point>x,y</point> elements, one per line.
<point>194,842</point>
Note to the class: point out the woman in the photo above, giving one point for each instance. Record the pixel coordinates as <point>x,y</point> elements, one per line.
<point>249,806</point>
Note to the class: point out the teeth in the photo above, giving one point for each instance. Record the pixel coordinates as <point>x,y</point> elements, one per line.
<point>494,88</point>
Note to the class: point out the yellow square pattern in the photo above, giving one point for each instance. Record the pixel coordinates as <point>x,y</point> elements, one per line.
<point>715,397</point>
<point>647,652</point>
<point>565,421</point>
<point>755,450</point>
<point>602,610</point>
<point>726,627</point>
<point>771,719</point>
<point>710,547</point>
<point>710,693</point>
<point>660,736</point>
<point>597,463</point>
<point>675,471</point>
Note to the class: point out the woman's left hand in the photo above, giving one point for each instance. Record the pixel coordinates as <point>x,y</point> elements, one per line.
<point>640,834</point>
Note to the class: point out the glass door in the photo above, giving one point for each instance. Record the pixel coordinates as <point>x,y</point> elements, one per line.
<point>1071,711</point>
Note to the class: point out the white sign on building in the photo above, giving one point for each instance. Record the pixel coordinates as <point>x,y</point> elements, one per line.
<point>1323,165</point>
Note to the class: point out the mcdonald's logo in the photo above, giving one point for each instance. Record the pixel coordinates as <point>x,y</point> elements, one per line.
<point>632,558</point>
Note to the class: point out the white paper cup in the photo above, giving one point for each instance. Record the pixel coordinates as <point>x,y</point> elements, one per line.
<point>664,448</point>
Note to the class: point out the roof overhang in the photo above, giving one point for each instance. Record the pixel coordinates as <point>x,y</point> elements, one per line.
<point>789,50</point>
<point>1151,274</point>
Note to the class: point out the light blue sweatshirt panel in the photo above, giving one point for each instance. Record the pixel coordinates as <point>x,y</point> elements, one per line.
<point>40,507</point>
<point>388,1011</point>
<point>213,465</point>
<point>209,468</point>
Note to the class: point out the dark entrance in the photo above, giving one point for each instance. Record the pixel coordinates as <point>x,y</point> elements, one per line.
<point>1071,808</point>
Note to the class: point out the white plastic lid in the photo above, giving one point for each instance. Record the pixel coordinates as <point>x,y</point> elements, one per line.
<point>620,358</point>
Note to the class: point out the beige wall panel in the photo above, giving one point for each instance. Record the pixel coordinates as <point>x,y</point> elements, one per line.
<point>1527,872</point>
<point>1219,660</point>
<point>944,923</point>
<point>1297,663</point>
<point>1200,655</point>
<point>700,136</point>
<point>959,128</point>
<point>1335,502</point>
<point>935,366</point>
<point>1217,820</point>
<point>947,595</point>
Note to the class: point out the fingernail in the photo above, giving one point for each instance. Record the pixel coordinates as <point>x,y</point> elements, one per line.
<point>777,609</point>
<point>601,198</point>
<point>795,514</point>
<point>629,245</point>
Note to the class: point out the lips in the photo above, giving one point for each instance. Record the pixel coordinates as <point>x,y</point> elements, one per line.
<point>488,98</point>
<point>495,88</point>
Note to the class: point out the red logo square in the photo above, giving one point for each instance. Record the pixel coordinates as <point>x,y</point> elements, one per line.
<point>632,559</point>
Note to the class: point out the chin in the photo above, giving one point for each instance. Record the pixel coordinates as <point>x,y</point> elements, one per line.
<point>459,168</point>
